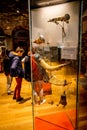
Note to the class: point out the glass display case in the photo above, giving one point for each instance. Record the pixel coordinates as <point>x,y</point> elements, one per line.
<point>54,56</point>
<point>54,83</point>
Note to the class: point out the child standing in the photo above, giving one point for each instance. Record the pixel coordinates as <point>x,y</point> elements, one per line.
<point>16,71</point>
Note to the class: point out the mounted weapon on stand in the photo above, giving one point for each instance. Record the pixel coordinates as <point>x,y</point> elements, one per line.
<point>63,19</point>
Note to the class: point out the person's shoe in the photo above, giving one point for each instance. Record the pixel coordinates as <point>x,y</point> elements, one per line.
<point>14,98</point>
<point>19,99</point>
<point>10,92</point>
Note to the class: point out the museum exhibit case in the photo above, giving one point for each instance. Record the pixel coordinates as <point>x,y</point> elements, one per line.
<point>55,43</point>
<point>54,87</point>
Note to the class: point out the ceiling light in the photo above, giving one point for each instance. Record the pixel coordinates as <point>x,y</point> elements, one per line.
<point>50,2</point>
<point>17,11</point>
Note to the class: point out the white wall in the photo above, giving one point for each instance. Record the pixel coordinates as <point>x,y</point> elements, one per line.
<point>53,32</point>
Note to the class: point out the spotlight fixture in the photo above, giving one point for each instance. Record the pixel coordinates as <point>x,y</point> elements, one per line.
<point>50,2</point>
<point>18,11</point>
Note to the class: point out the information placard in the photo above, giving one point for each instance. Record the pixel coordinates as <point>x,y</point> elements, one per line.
<point>69,53</point>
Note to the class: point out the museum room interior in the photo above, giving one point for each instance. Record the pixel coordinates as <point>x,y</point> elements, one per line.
<point>52,34</point>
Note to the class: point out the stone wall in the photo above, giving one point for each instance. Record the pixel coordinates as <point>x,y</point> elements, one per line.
<point>9,21</point>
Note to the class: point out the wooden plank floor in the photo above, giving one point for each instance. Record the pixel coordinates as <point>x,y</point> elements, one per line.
<point>19,116</point>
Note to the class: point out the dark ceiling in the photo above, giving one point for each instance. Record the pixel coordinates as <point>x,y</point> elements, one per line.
<point>13,6</point>
<point>7,6</point>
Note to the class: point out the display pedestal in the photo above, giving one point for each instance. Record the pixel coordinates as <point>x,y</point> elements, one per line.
<point>56,121</point>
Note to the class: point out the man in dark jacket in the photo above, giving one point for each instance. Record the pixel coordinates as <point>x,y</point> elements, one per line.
<point>6,66</point>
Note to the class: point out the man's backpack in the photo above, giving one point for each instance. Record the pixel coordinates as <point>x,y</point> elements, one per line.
<point>6,65</point>
<point>27,69</point>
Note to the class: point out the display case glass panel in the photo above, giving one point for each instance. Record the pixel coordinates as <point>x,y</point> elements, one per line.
<point>54,65</point>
